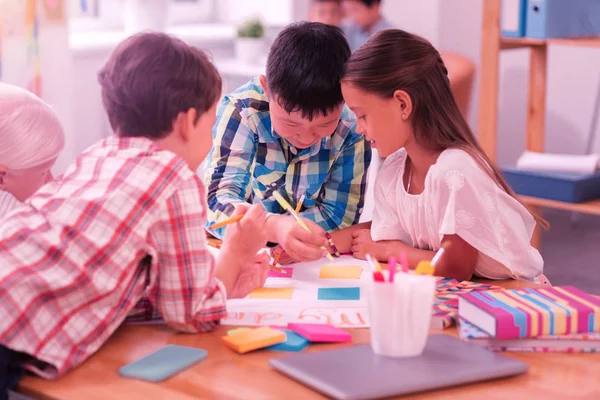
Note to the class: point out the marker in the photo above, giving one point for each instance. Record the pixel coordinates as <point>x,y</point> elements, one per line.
<point>392,268</point>
<point>377,275</point>
<point>404,258</point>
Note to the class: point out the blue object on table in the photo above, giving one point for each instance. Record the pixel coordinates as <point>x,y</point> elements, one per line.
<point>567,187</point>
<point>339,293</point>
<point>293,342</point>
<point>513,17</point>
<point>548,19</point>
<point>163,363</point>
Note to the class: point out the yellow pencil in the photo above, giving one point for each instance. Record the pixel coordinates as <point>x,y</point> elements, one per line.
<point>227,221</point>
<point>299,205</point>
<point>286,206</point>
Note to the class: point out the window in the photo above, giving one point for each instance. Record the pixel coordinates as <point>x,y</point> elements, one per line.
<point>92,15</point>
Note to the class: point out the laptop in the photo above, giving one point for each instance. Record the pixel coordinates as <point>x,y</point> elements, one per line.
<point>357,373</point>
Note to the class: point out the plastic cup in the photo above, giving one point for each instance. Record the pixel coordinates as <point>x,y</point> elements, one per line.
<point>400,314</point>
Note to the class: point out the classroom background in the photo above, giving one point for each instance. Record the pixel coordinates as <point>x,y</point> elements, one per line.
<point>56,47</point>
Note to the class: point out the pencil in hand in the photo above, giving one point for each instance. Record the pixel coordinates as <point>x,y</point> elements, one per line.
<point>227,221</point>
<point>286,206</point>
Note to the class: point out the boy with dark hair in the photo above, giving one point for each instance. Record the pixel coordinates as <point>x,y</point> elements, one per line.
<point>290,132</point>
<point>125,221</point>
<point>326,11</point>
<point>363,20</point>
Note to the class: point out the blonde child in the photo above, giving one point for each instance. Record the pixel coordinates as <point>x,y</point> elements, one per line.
<point>31,138</point>
<point>126,220</point>
<point>436,184</point>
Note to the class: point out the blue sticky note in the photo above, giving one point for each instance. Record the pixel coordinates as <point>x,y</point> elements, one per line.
<point>340,293</point>
<point>293,342</point>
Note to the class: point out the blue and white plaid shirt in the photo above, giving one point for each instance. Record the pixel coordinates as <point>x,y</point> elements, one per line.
<point>249,161</point>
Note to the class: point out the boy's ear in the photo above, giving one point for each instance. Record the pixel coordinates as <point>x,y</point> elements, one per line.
<point>3,171</point>
<point>263,83</point>
<point>405,103</point>
<point>186,121</point>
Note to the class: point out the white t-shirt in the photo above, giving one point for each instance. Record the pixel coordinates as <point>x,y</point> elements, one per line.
<point>459,198</point>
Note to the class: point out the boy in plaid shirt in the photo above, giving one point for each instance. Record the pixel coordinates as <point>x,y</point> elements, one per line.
<point>125,221</point>
<point>290,132</point>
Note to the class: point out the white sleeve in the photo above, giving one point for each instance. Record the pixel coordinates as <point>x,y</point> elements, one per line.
<point>385,223</point>
<point>471,205</point>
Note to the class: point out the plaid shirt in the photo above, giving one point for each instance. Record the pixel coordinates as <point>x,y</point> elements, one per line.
<point>248,159</point>
<point>125,221</point>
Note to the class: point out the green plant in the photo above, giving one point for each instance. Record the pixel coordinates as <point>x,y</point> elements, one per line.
<point>253,28</point>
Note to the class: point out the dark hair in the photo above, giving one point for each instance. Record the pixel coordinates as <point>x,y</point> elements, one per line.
<point>368,3</point>
<point>393,60</point>
<point>152,77</point>
<point>304,68</point>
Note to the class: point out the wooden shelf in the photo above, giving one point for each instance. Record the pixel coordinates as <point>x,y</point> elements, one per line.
<point>519,43</point>
<point>590,207</point>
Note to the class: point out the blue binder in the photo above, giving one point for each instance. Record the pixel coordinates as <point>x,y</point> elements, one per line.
<point>513,16</point>
<point>548,19</point>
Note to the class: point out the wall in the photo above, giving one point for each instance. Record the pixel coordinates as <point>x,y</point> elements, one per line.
<point>421,17</point>
<point>573,81</point>
<point>55,67</point>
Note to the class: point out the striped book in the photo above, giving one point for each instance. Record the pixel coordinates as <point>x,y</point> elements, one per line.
<point>526,313</point>
<point>574,343</point>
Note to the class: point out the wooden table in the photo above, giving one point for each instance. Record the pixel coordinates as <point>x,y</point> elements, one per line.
<point>227,375</point>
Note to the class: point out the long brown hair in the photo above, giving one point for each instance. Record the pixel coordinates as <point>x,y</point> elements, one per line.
<point>394,60</point>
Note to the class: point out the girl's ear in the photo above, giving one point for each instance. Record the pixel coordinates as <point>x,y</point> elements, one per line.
<point>404,102</point>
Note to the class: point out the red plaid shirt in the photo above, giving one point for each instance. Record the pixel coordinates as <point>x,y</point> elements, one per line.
<point>126,220</point>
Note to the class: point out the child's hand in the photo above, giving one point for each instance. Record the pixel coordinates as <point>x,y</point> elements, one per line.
<point>246,237</point>
<point>252,276</point>
<point>284,258</point>
<point>298,243</point>
<point>362,244</point>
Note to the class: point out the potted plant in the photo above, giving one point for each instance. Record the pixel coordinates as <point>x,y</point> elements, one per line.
<point>249,45</point>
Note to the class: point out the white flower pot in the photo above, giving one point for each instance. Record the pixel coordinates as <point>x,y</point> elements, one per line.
<point>249,50</point>
<point>143,15</point>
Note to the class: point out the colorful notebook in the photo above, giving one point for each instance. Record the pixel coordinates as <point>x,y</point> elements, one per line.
<point>575,343</point>
<point>445,305</point>
<point>526,313</point>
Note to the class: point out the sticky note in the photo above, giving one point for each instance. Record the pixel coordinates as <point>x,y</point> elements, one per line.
<point>293,342</point>
<point>237,330</point>
<point>276,274</point>
<point>253,339</point>
<point>342,293</point>
<point>272,293</point>
<point>322,333</point>
<point>340,272</point>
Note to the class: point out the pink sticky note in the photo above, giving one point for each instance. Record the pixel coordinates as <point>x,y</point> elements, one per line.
<point>275,274</point>
<point>322,333</point>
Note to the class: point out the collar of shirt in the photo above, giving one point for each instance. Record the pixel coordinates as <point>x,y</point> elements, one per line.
<point>257,111</point>
<point>8,202</point>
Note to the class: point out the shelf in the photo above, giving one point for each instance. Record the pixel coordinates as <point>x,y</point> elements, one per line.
<point>518,43</point>
<point>590,207</point>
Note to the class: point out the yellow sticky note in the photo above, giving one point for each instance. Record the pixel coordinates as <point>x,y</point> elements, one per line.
<point>254,339</point>
<point>237,330</point>
<point>272,293</point>
<point>340,272</point>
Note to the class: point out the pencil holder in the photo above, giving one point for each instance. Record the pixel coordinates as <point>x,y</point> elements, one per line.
<point>400,314</point>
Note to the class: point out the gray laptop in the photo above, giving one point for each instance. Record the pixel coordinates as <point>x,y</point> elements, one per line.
<point>357,373</point>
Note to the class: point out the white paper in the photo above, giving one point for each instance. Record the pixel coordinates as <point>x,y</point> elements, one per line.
<point>585,164</point>
<point>304,305</point>
<point>510,15</point>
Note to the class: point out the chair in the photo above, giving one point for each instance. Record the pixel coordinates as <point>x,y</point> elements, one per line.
<point>461,72</point>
